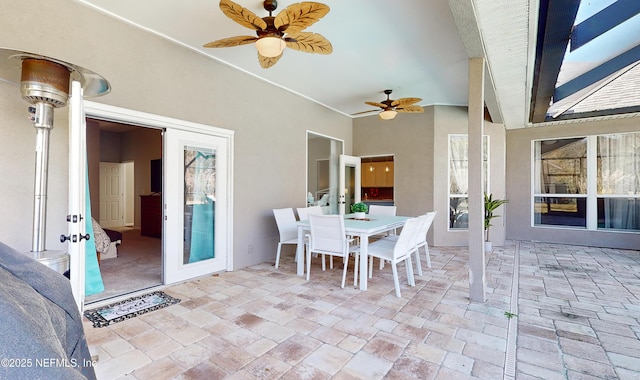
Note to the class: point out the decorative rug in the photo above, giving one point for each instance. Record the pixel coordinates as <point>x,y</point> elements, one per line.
<point>129,308</point>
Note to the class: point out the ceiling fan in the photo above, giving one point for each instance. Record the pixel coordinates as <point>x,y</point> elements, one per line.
<point>391,107</point>
<point>276,33</point>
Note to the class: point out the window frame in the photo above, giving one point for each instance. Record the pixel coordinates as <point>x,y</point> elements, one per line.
<point>487,177</point>
<point>591,195</point>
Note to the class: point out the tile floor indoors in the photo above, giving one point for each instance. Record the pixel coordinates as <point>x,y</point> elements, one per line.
<point>575,315</point>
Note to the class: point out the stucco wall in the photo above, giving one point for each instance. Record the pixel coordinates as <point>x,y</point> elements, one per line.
<point>409,138</point>
<point>519,186</point>
<point>153,75</point>
<point>420,145</point>
<point>454,120</point>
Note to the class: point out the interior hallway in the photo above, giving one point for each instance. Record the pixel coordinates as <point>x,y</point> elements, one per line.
<point>138,266</point>
<point>577,316</point>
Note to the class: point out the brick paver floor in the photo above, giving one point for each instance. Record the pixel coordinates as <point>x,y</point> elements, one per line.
<point>576,315</point>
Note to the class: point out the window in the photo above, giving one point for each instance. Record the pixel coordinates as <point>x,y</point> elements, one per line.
<point>458,179</point>
<point>560,183</point>
<point>618,184</point>
<point>588,182</point>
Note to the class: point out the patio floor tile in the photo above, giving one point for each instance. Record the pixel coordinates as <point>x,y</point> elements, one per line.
<point>577,317</point>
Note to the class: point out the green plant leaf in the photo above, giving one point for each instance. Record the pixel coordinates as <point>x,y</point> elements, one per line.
<point>359,207</point>
<point>509,314</point>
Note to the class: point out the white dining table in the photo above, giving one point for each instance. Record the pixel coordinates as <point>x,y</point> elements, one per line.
<point>371,225</point>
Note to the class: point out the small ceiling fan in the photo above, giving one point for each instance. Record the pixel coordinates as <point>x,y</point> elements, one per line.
<point>276,33</point>
<point>391,107</point>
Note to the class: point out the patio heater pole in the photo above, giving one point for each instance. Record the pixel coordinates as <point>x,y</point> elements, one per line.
<point>45,84</point>
<point>43,122</point>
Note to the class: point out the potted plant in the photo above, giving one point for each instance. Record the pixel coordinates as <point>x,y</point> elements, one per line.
<point>490,206</point>
<point>359,209</point>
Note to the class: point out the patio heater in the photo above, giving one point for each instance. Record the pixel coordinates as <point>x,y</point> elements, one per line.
<point>45,85</point>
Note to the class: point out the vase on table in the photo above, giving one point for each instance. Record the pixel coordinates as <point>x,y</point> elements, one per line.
<point>360,215</point>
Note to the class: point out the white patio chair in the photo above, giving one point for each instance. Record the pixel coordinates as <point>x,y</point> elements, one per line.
<point>328,237</point>
<point>382,210</point>
<point>287,227</point>
<point>385,211</point>
<point>422,240</point>
<point>303,212</point>
<point>397,251</point>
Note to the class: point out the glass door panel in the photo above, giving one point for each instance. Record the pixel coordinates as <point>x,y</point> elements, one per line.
<point>349,182</point>
<point>322,171</point>
<point>199,204</point>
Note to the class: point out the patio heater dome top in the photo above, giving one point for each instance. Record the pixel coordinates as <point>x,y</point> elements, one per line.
<point>18,66</point>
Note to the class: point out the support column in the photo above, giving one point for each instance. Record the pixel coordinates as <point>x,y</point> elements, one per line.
<point>477,275</point>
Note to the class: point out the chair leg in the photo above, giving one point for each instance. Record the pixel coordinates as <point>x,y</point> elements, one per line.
<point>381,264</point>
<point>355,270</point>
<point>394,268</point>
<point>410,279</point>
<point>426,252</point>
<point>324,267</point>
<point>330,262</point>
<point>370,266</point>
<point>278,255</point>
<point>344,271</point>
<point>308,264</point>
<point>418,264</point>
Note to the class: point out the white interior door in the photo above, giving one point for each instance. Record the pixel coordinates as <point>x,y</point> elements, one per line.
<point>196,205</point>
<point>349,186</point>
<point>111,195</point>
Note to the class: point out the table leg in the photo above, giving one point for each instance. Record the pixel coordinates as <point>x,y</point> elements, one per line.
<point>364,273</point>
<point>300,252</point>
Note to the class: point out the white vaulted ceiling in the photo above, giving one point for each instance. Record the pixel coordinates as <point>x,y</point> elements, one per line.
<point>417,48</point>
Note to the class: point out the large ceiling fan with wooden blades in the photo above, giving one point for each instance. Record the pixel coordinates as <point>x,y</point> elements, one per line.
<point>391,107</point>
<point>276,33</point>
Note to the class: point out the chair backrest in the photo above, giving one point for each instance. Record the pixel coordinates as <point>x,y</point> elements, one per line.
<point>424,229</point>
<point>382,210</point>
<point>323,201</point>
<point>286,221</point>
<point>407,240</point>
<point>327,233</point>
<point>303,212</point>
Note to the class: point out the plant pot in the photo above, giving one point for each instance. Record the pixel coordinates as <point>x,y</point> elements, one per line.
<point>488,246</point>
<point>360,215</point>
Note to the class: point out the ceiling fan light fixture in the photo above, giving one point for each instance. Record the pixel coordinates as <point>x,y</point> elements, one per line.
<point>270,46</point>
<point>387,114</point>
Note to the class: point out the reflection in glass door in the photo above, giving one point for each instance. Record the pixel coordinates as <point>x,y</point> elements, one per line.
<point>349,183</point>
<point>199,204</point>
<point>195,205</point>
<point>322,171</point>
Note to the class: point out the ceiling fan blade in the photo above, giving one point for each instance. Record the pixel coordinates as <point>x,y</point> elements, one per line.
<point>297,17</point>
<point>242,15</point>
<point>266,62</point>
<point>376,104</point>
<point>231,41</point>
<point>410,109</point>
<point>363,112</point>
<point>403,102</point>
<point>309,43</point>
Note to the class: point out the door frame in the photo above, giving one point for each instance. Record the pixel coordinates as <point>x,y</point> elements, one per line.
<point>118,114</point>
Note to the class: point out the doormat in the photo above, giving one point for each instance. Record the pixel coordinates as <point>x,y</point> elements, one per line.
<point>129,308</point>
